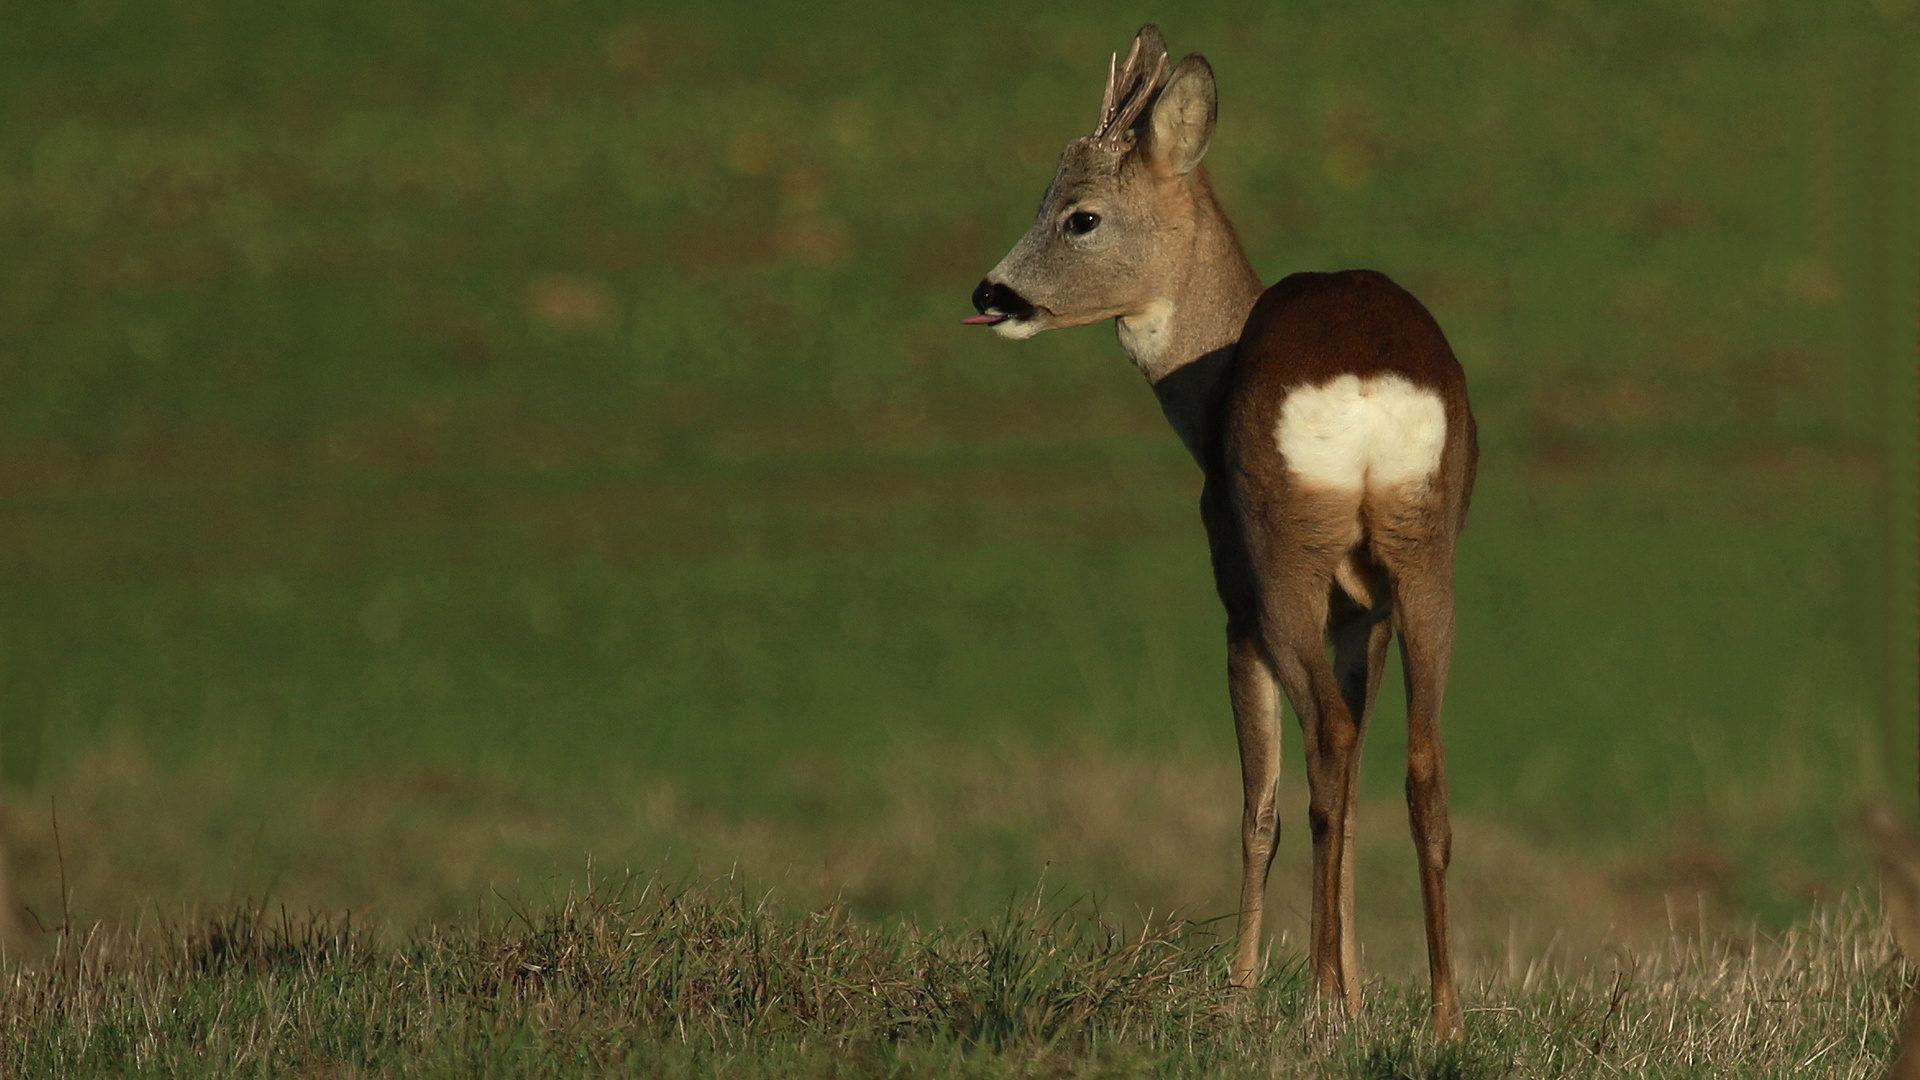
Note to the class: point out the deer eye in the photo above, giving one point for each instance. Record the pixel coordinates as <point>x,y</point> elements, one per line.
<point>1082,223</point>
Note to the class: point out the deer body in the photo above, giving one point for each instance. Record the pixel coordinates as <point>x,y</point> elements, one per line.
<point>1331,421</point>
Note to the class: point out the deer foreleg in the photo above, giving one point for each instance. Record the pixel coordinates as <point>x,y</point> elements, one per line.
<point>1256,716</point>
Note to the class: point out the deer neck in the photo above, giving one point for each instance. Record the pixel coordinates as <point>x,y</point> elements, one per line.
<point>1183,340</point>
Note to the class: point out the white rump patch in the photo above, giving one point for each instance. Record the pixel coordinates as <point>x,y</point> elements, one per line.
<point>1349,434</point>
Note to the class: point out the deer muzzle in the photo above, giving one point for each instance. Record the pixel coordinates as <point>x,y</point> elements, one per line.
<point>996,304</point>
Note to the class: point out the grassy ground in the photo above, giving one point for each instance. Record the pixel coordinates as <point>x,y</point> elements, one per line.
<point>218,920</point>
<point>647,977</point>
<point>565,386</point>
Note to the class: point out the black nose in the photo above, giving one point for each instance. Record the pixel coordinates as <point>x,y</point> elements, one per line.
<point>1000,300</point>
<point>982,296</point>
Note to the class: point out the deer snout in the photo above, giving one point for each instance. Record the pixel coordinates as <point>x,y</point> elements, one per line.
<point>997,303</point>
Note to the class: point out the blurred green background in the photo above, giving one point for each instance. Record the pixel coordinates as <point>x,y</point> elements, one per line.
<point>573,391</point>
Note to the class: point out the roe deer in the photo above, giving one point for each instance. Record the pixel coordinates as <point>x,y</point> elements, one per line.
<point>1331,420</point>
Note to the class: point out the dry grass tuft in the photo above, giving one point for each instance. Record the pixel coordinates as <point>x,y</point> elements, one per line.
<point>645,976</point>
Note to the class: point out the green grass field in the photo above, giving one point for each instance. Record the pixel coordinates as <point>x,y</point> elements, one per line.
<point>440,441</point>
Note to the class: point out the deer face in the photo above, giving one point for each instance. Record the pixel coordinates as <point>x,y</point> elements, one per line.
<point>1090,253</point>
<point>1112,224</point>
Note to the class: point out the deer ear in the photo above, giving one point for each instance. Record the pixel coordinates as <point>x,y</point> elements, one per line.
<point>1181,127</point>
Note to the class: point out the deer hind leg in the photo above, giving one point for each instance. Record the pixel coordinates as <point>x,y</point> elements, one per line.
<point>1296,540</point>
<point>1360,632</point>
<point>1422,575</point>
<point>1294,625</point>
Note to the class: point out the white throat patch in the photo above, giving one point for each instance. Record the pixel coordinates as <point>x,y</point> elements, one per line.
<point>1352,434</point>
<point>1146,337</point>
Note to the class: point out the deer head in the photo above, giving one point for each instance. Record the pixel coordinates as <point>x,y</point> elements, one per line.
<point>1117,228</point>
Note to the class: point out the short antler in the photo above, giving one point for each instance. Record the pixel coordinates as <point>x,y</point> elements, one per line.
<point>1131,87</point>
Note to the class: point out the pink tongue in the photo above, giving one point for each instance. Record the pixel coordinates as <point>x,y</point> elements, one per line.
<point>981,320</point>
